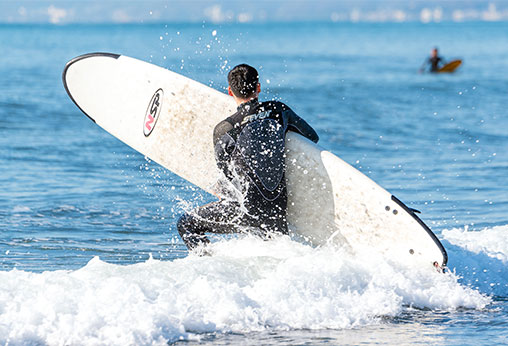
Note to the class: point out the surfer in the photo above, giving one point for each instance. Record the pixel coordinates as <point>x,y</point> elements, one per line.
<point>434,60</point>
<point>249,149</point>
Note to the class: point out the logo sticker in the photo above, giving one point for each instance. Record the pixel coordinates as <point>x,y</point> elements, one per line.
<point>152,113</point>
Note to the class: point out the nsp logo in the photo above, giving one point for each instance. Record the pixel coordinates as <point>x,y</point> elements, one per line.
<point>152,113</point>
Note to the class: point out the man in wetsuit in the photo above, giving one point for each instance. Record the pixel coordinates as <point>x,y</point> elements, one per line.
<point>249,150</point>
<point>434,61</point>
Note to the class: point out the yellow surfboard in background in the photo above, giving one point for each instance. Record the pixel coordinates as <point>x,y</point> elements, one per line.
<point>450,67</point>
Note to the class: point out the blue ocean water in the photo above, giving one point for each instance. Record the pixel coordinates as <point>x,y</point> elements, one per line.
<point>88,248</point>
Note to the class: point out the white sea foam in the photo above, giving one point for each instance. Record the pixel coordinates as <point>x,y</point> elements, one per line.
<point>247,285</point>
<point>480,257</point>
<point>491,241</point>
<point>21,209</point>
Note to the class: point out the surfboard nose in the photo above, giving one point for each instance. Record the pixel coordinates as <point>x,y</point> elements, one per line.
<point>71,63</point>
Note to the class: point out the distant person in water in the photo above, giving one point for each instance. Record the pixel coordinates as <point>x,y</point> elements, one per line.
<point>434,61</point>
<point>249,149</point>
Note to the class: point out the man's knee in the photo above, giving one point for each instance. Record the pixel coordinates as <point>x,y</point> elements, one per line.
<point>190,232</point>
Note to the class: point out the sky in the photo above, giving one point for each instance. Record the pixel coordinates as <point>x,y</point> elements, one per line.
<point>223,11</point>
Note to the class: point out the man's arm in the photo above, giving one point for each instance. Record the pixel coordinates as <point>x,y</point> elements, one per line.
<point>297,124</point>
<point>223,146</point>
<point>424,65</point>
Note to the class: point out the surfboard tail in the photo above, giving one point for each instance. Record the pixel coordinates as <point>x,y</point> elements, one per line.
<point>431,234</point>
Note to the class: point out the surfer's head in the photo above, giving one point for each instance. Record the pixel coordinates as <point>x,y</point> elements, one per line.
<point>243,83</point>
<point>434,52</point>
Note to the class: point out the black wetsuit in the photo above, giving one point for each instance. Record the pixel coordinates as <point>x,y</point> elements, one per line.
<point>250,151</point>
<point>434,63</point>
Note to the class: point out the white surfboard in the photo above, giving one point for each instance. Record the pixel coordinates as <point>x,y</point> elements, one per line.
<point>170,119</point>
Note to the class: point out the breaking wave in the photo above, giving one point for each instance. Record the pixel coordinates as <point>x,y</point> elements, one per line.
<point>247,285</point>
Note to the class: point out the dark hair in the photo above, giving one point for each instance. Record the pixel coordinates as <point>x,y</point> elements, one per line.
<point>243,80</point>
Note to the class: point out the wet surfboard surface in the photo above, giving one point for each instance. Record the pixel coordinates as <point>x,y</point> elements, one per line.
<point>170,119</point>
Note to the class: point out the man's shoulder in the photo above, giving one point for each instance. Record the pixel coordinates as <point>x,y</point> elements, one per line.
<point>229,120</point>
<point>221,129</point>
<point>274,105</point>
<point>224,124</point>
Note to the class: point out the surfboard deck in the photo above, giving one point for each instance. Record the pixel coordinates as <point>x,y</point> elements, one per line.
<point>170,119</point>
<point>450,67</point>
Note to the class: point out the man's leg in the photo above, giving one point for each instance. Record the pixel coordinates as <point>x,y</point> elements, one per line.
<point>191,231</point>
<point>218,217</point>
